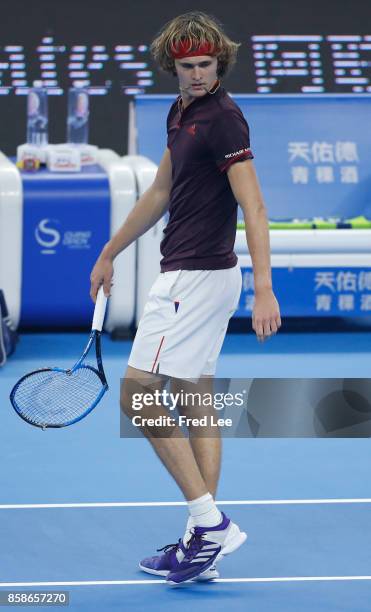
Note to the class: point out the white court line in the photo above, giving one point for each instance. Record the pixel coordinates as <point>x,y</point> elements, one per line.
<point>248,502</point>
<point>223,580</point>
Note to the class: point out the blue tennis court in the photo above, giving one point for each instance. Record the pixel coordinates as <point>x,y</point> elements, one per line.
<point>80,506</point>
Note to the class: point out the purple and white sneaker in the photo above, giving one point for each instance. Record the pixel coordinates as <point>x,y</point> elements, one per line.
<point>206,546</point>
<point>162,565</point>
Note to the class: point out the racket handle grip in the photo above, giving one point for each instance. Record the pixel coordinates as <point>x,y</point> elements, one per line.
<point>99,310</point>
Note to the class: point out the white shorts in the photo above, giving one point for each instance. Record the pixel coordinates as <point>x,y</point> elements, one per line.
<point>184,322</point>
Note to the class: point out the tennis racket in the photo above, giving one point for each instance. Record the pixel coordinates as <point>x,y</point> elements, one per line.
<point>53,397</point>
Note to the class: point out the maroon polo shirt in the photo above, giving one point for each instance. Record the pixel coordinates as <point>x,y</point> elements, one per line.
<point>204,140</point>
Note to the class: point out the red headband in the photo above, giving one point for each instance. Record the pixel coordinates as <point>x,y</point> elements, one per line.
<point>183,49</point>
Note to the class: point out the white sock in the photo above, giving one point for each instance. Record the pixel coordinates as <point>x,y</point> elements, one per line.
<point>204,512</point>
<point>187,536</point>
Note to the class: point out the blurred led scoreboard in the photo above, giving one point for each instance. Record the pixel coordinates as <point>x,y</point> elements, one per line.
<point>312,64</point>
<point>267,64</point>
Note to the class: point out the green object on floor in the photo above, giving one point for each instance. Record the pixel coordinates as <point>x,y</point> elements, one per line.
<point>359,222</point>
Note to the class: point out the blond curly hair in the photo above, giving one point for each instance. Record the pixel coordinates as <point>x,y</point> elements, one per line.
<point>199,28</point>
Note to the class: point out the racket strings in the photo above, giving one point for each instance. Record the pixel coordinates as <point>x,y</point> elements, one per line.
<point>58,397</point>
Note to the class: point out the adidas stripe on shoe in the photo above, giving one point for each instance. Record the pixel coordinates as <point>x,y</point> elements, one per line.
<point>162,565</point>
<point>206,546</point>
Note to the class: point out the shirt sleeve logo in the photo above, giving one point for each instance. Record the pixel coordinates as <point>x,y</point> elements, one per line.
<point>235,153</point>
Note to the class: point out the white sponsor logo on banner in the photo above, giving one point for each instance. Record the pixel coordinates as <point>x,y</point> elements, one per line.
<point>338,282</point>
<point>340,152</point>
<point>48,237</point>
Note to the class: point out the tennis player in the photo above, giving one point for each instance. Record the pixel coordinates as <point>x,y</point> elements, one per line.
<point>205,171</point>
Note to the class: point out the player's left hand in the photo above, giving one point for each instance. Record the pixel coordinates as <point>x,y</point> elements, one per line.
<point>266,319</point>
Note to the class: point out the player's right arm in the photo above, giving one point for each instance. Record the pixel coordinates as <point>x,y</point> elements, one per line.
<point>150,207</point>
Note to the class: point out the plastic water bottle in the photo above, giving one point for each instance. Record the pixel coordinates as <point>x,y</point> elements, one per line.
<point>78,116</point>
<point>37,115</point>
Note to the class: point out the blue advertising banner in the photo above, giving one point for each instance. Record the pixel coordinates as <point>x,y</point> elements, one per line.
<point>326,291</point>
<point>66,221</point>
<point>312,152</point>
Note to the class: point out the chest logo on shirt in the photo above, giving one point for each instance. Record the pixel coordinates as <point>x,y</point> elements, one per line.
<point>192,129</point>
